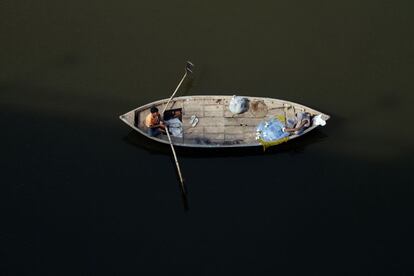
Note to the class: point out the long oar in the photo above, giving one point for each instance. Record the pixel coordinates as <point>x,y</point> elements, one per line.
<point>188,69</point>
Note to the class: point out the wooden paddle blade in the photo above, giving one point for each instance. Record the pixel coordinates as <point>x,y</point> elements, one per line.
<point>182,187</point>
<point>189,67</point>
<point>184,200</point>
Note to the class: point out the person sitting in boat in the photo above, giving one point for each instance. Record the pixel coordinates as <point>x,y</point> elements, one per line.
<point>154,123</point>
<point>299,124</point>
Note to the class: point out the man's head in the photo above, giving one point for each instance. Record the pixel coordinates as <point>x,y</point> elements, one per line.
<point>154,111</point>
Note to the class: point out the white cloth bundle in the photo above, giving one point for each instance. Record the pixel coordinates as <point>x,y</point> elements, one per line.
<point>318,121</point>
<point>238,104</point>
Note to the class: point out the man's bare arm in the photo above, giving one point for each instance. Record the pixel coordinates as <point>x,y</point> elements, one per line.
<point>296,128</point>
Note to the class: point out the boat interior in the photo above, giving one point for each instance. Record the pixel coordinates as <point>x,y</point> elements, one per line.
<point>217,125</point>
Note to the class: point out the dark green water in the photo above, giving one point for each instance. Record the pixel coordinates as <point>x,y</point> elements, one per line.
<point>83,195</point>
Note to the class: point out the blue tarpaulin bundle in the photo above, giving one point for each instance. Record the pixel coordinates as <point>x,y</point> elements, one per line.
<point>271,130</point>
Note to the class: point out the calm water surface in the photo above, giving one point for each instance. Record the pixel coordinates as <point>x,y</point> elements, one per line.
<point>83,195</point>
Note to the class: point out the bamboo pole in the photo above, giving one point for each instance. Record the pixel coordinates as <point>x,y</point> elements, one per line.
<point>188,68</point>
<point>176,162</point>
<point>175,91</point>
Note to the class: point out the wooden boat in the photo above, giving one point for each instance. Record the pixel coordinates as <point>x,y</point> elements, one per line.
<point>217,126</point>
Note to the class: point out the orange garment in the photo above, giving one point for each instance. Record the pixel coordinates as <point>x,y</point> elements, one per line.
<point>151,121</point>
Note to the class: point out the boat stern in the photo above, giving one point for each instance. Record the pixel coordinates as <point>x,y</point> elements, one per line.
<point>129,118</point>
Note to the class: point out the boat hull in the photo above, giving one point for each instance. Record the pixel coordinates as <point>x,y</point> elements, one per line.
<point>217,126</point>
